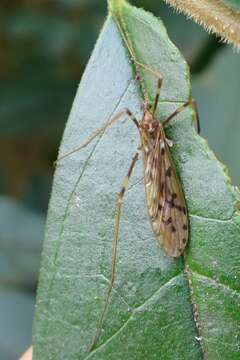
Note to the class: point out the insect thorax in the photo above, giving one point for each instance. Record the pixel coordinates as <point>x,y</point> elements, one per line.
<point>149,129</point>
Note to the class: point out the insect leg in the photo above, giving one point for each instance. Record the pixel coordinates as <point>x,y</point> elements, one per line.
<point>159,85</point>
<point>181,108</point>
<point>114,247</point>
<point>160,81</point>
<point>195,107</point>
<point>100,131</point>
<point>155,72</point>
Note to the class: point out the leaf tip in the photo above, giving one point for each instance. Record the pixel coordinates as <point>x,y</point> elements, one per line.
<point>113,5</point>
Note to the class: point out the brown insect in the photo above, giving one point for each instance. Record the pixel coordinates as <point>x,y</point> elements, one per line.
<point>165,199</point>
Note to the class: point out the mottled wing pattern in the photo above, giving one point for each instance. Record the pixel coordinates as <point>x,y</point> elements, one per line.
<point>165,199</point>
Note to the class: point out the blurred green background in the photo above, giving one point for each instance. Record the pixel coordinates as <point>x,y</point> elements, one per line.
<point>44,47</point>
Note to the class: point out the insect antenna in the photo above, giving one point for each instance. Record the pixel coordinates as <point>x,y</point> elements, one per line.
<point>114,248</point>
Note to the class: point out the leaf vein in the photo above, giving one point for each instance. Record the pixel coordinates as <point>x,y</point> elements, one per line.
<point>139,308</point>
<point>217,283</point>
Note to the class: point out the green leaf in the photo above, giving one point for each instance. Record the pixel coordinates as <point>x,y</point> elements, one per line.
<point>161,308</point>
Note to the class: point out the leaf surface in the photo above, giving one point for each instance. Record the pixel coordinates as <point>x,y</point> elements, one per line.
<point>161,307</point>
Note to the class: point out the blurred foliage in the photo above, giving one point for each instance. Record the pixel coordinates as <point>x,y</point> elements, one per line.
<point>233,3</point>
<point>44,48</point>
<point>16,313</point>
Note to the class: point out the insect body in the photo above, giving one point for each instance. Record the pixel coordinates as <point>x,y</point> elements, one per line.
<point>165,198</point>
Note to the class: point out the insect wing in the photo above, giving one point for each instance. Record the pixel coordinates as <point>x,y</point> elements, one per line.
<point>165,199</point>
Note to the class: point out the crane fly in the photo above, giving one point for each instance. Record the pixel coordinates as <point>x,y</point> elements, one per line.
<point>164,195</point>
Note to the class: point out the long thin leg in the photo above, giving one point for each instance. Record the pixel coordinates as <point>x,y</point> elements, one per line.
<point>101,130</point>
<point>160,81</point>
<point>180,109</point>
<point>114,247</point>
<point>194,103</point>
<point>159,85</point>
<point>153,71</point>
<point>191,102</point>
<point>138,63</point>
